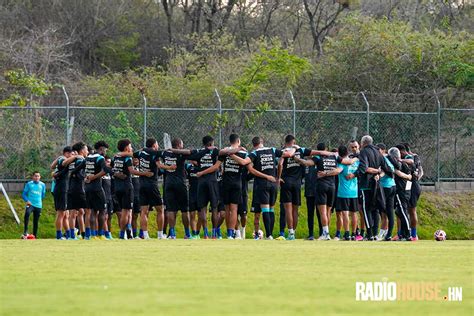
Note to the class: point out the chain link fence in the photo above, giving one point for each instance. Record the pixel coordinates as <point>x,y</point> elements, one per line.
<point>33,136</point>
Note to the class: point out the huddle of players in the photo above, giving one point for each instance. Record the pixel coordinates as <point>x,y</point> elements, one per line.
<point>89,187</point>
<point>377,183</point>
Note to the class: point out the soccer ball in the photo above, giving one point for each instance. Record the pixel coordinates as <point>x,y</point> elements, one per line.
<point>440,235</point>
<point>260,234</point>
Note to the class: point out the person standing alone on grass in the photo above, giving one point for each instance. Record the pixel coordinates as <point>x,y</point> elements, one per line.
<point>33,194</point>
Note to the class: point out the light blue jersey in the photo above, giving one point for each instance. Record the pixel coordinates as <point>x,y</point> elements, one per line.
<point>34,192</point>
<point>347,188</point>
<point>387,181</point>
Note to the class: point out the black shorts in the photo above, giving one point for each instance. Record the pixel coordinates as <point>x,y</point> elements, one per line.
<point>109,207</point>
<point>325,194</point>
<point>176,197</point>
<point>96,200</point>
<point>60,201</point>
<point>76,200</point>
<point>402,198</point>
<point>347,204</point>
<point>232,193</point>
<point>290,192</point>
<point>208,192</point>
<point>136,202</point>
<point>243,206</point>
<point>220,205</point>
<point>192,198</point>
<point>124,199</point>
<point>414,194</point>
<point>265,193</point>
<point>256,208</point>
<point>150,195</point>
<point>116,205</point>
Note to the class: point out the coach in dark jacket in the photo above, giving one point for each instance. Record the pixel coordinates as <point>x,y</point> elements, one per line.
<point>371,162</point>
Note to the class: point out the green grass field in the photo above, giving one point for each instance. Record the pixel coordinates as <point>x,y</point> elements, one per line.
<point>225,277</point>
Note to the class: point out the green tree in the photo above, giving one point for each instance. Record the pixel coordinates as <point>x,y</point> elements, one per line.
<point>385,56</point>
<point>21,89</point>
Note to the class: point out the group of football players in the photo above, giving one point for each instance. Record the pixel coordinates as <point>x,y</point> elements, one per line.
<point>364,185</point>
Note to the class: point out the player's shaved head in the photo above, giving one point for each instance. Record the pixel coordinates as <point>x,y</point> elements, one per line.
<point>290,139</point>
<point>207,140</point>
<point>321,146</point>
<point>177,143</point>
<point>234,138</point>
<point>257,140</point>
<point>343,151</point>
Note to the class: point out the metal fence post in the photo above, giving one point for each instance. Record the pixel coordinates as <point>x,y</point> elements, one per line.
<point>438,136</point>
<point>294,112</point>
<point>219,105</point>
<point>68,134</point>
<point>144,119</point>
<point>367,112</point>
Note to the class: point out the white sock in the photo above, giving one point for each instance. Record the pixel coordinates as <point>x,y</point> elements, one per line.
<point>326,230</point>
<point>291,231</point>
<point>242,232</point>
<point>145,234</point>
<point>160,234</point>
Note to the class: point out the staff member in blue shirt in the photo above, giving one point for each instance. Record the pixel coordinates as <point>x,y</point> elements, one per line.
<point>347,195</point>
<point>33,195</point>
